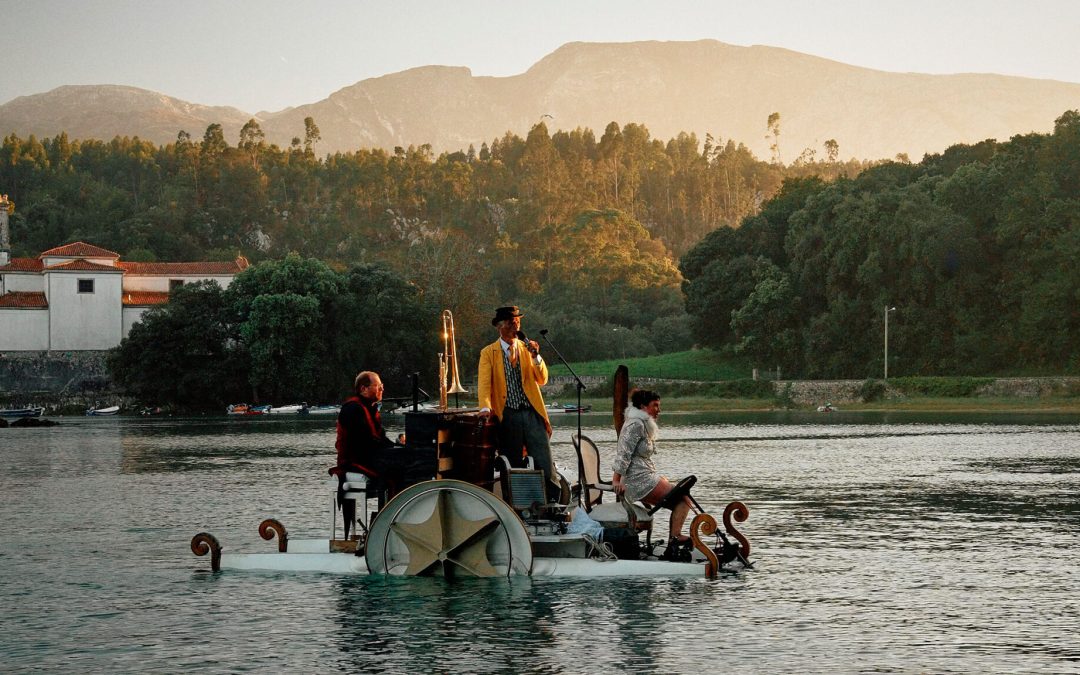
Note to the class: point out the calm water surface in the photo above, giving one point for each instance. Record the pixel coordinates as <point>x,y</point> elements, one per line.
<point>882,543</point>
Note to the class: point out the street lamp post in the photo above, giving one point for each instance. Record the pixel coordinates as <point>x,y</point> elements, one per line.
<point>887,310</point>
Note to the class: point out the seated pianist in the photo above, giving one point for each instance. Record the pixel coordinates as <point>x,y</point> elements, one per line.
<point>362,444</point>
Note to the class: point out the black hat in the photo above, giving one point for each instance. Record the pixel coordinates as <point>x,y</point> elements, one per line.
<point>503,313</point>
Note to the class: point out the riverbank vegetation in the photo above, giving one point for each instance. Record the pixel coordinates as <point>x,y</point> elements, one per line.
<point>975,249</point>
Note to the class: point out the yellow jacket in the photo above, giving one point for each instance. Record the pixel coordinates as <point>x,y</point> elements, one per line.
<point>492,380</point>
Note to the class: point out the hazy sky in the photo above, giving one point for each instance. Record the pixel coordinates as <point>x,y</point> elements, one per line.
<point>270,54</point>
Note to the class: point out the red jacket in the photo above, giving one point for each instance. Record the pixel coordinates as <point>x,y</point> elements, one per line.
<point>359,431</point>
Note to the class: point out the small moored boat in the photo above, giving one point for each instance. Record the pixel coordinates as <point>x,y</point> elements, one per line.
<point>322,410</point>
<point>569,407</point>
<point>293,409</point>
<point>245,410</point>
<point>103,412</point>
<point>29,411</point>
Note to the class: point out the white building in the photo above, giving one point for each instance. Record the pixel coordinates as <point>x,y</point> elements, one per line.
<point>82,297</point>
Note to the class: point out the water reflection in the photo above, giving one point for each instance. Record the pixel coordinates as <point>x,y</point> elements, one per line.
<point>509,625</point>
<point>204,445</point>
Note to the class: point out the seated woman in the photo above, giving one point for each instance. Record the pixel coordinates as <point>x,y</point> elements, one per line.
<point>635,475</point>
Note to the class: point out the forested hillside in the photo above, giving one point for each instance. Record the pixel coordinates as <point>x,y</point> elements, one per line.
<point>582,232</point>
<point>976,248</point>
<point>603,240</point>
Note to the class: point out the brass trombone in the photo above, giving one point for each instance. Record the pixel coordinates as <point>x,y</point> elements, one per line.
<point>449,380</point>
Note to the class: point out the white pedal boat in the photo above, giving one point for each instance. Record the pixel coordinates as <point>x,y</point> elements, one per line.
<point>453,528</point>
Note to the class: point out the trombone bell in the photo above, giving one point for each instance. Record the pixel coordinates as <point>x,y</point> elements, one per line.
<point>449,379</point>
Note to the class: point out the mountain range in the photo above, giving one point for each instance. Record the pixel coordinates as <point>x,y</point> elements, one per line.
<point>705,87</point>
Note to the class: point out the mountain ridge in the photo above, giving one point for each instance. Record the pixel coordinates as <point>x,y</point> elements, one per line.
<point>703,86</point>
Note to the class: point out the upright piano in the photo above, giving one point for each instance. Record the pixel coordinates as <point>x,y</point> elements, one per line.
<point>453,443</point>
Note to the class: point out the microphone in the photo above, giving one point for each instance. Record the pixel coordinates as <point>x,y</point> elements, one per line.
<point>521,336</point>
<point>543,331</point>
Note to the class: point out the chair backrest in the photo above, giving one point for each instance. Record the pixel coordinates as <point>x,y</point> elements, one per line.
<point>588,470</point>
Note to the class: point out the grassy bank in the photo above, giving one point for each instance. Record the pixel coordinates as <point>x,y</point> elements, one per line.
<point>703,365</point>
<point>704,380</point>
<point>676,403</point>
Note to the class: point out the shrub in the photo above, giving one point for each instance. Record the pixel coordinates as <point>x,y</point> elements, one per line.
<point>785,398</point>
<point>871,390</point>
<point>744,388</point>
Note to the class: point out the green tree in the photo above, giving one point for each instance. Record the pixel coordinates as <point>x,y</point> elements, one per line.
<point>383,323</point>
<point>282,307</point>
<point>213,143</point>
<point>766,326</point>
<point>184,353</point>
<point>311,134</point>
<point>773,125</point>
<point>252,141</point>
<point>832,150</point>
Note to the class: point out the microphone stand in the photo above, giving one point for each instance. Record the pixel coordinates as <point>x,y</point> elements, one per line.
<point>580,384</point>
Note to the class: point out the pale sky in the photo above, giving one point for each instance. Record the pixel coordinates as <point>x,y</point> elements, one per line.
<point>270,54</point>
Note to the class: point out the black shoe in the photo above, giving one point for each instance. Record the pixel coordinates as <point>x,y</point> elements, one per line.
<point>677,551</point>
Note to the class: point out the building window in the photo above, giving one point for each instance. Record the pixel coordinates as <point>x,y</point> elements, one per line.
<point>86,285</point>
<point>175,284</point>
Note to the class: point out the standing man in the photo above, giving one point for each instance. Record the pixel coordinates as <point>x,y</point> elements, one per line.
<point>511,374</point>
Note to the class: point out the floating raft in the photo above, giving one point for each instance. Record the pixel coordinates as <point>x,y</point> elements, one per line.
<point>453,528</point>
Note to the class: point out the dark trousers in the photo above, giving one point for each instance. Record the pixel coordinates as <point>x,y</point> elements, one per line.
<point>525,428</point>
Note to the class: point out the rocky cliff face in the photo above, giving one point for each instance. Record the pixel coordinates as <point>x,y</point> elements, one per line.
<point>702,87</point>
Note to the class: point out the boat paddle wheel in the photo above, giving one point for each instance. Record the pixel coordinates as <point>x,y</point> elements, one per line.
<point>448,528</point>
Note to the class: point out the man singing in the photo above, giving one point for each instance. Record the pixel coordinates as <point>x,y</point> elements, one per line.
<point>511,374</point>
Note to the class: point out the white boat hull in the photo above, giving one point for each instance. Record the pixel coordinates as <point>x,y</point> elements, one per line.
<point>313,555</point>
<point>287,410</point>
<point>104,412</point>
<point>34,411</point>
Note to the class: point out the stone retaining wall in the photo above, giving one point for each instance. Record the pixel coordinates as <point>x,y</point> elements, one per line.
<point>817,392</point>
<point>56,379</point>
<point>1030,387</point>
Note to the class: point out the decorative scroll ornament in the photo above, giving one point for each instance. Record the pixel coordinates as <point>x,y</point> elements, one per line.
<point>705,524</point>
<point>270,527</point>
<point>204,543</point>
<point>741,513</point>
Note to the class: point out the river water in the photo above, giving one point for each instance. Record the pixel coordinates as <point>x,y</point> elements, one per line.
<point>882,543</point>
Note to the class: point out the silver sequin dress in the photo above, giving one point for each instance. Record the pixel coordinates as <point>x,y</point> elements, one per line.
<point>633,455</point>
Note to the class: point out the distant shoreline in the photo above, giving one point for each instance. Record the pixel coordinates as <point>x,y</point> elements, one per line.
<point>1054,405</point>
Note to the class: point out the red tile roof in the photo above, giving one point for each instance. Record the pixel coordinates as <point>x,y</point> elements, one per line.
<point>142,298</point>
<point>183,268</point>
<point>23,299</point>
<point>22,265</point>
<point>80,250</point>
<point>82,266</point>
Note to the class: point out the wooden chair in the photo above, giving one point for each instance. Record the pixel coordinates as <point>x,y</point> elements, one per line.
<point>619,513</point>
